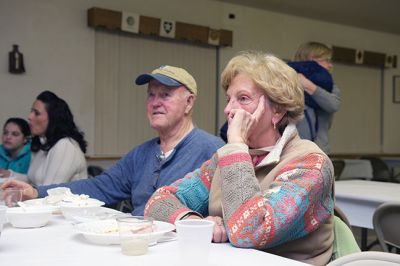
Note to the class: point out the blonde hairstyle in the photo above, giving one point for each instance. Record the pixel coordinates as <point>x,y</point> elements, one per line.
<point>312,50</point>
<point>275,77</point>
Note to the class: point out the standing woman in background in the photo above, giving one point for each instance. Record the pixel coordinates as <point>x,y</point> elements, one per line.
<point>58,146</point>
<point>15,152</point>
<point>313,62</point>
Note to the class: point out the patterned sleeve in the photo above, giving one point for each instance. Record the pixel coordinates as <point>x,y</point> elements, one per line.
<point>298,201</point>
<point>186,195</point>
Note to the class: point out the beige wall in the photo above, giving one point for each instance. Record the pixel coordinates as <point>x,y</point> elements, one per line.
<point>59,48</point>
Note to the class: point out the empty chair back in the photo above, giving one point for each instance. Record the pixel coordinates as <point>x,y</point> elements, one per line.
<point>380,170</point>
<point>94,170</point>
<point>344,242</point>
<point>386,222</point>
<point>338,167</point>
<point>339,213</point>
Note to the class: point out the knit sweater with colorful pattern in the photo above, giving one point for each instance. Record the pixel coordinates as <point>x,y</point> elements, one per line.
<point>283,205</point>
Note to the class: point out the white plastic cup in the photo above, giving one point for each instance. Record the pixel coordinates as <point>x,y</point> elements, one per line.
<point>134,233</point>
<point>3,210</point>
<point>194,239</point>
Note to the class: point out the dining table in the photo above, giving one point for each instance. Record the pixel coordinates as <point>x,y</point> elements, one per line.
<point>59,243</point>
<point>358,199</point>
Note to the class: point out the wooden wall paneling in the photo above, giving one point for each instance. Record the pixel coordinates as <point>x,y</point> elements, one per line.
<point>149,25</point>
<point>226,38</point>
<point>106,18</point>
<point>190,32</point>
<point>343,55</point>
<point>111,19</point>
<point>374,59</point>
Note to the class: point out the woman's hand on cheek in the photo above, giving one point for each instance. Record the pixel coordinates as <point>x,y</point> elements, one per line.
<point>242,123</point>
<point>236,119</point>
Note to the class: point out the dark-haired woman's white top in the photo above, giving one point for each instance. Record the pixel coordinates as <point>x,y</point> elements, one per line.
<point>64,162</point>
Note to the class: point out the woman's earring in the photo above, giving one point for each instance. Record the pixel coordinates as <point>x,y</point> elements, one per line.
<point>274,125</point>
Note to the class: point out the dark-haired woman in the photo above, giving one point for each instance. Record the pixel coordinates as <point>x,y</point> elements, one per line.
<point>58,146</point>
<point>15,152</point>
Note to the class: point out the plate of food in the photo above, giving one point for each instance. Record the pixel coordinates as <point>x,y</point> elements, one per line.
<point>63,200</point>
<point>105,232</point>
<point>41,203</point>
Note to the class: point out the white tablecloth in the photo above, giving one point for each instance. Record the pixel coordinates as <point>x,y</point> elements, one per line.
<point>358,199</point>
<point>58,244</point>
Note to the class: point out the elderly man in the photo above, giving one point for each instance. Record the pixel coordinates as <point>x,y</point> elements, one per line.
<point>179,149</point>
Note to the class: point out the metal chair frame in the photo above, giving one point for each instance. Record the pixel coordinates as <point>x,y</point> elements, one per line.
<point>386,222</point>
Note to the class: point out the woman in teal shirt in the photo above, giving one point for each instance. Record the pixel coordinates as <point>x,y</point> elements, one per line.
<point>15,152</point>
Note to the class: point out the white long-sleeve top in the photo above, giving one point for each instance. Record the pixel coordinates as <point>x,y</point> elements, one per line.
<point>64,162</point>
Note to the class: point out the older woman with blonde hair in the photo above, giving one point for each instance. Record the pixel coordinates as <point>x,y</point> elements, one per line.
<point>266,188</point>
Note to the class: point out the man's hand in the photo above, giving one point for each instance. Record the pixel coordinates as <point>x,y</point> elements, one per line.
<point>28,192</point>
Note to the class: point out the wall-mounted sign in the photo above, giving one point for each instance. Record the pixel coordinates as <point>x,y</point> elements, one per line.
<point>167,28</point>
<point>130,22</point>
